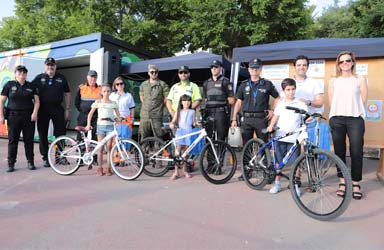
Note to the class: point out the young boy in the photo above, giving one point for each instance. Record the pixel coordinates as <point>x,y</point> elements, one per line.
<point>287,121</point>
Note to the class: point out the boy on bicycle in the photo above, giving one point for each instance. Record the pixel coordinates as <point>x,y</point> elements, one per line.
<point>287,121</point>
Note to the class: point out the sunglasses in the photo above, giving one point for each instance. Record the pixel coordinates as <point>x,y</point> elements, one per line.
<point>153,72</point>
<point>119,83</point>
<point>183,72</point>
<point>345,61</point>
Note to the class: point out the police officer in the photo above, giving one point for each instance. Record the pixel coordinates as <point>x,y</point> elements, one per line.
<point>23,105</point>
<point>218,94</point>
<point>53,89</point>
<point>153,97</point>
<point>185,86</point>
<point>253,96</point>
<point>86,94</point>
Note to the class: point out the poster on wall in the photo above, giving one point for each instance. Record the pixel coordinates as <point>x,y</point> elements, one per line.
<point>278,71</point>
<point>316,68</point>
<point>374,110</point>
<point>362,69</point>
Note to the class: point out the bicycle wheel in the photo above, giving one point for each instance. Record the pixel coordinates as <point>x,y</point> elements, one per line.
<point>156,167</point>
<point>256,171</point>
<point>315,193</point>
<point>64,155</point>
<point>130,162</point>
<point>218,172</point>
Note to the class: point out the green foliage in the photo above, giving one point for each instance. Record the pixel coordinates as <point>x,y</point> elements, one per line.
<point>162,26</point>
<point>361,18</point>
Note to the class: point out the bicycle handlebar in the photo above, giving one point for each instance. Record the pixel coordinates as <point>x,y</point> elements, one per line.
<point>303,112</point>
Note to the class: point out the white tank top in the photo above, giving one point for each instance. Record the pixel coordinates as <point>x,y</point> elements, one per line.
<point>347,99</point>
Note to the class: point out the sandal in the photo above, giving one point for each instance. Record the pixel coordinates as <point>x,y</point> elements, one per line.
<point>297,181</point>
<point>340,192</point>
<point>357,195</point>
<point>174,177</point>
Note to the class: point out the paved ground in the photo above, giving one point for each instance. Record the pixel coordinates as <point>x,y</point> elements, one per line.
<point>42,210</point>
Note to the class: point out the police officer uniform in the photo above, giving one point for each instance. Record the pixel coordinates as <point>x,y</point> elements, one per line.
<point>51,92</point>
<point>216,94</point>
<point>20,104</point>
<point>85,96</point>
<point>255,99</point>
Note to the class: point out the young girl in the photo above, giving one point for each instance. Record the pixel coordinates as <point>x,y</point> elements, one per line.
<point>184,119</point>
<point>105,109</point>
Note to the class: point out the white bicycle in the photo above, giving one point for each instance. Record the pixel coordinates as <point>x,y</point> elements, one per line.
<point>66,155</point>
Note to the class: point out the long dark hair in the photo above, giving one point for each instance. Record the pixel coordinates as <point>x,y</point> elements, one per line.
<point>184,97</point>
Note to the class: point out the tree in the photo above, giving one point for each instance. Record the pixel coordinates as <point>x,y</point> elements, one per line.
<point>369,15</point>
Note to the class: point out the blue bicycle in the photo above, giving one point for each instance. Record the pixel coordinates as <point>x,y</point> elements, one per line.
<point>314,177</point>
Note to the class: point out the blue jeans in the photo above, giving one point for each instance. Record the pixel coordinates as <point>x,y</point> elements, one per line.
<point>354,127</point>
<point>282,149</point>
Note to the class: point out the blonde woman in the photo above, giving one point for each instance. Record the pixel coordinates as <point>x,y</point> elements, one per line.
<point>347,96</point>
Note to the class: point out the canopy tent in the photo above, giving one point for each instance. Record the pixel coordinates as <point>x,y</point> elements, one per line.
<point>324,48</point>
<point>199,64</point>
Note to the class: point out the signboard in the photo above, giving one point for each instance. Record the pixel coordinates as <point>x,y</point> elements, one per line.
<point>374,110</point>
<point>277,71</point>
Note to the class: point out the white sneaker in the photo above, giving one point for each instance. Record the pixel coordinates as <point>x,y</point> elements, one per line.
<point>298,191</point>
<point>275,189</point>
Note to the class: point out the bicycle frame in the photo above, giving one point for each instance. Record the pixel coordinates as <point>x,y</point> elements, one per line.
<point>202,134</point>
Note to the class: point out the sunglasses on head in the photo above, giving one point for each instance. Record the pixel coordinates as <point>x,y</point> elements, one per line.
<point>345,61</point>
<point>153,72</point>
<point>119,83</point>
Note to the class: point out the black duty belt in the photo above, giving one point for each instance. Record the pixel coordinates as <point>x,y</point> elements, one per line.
<point>216,109</point>
<point>20,112</point>
<point>254,114</point>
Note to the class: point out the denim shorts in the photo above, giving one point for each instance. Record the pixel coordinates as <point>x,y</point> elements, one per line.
<point>104,129</point>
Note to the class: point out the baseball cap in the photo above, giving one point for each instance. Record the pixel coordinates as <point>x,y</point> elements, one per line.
<point>255,63</point>
<point>21,68</point>
<point>216,63</point>
<point>152,66</point>
<point>50,60</point>
<point>92,73</point>
<point>183,69</point>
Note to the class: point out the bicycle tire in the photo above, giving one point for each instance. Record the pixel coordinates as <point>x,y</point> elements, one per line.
<point>256,176</point>
<point>64,155</point>
<point>315,196</point>
<point>218,172</point>
<point>130,162</point>
<point>155,168</point>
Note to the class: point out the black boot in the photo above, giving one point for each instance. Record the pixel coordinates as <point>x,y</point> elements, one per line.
<point>31,165</point>
<point>11,167</point>
<point>46,164</point>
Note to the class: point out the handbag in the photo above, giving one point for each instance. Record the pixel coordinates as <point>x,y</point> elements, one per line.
<point>234,137</point>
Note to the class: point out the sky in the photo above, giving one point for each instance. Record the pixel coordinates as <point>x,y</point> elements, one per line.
<point>7,8</point>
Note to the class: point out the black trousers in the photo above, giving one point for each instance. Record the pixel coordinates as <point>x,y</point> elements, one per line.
<point>82,121</point>
<point>251,125</point>
<point>354,127</point>
<point>218,120</point>
<point>49,112</point>
<point>20,122</point>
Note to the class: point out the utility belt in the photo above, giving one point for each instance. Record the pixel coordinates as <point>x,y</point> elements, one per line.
<point>218,109</point>
<point>260,114</point>
<point>20,112</point>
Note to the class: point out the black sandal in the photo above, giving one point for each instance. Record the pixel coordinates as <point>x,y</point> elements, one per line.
<point>340,192</point>
<point>357,195</point>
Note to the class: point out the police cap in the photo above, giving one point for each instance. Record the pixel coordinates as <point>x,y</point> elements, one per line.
<point>255,63</point>
<point>216,63</point>
<point>21,68</point>
<point>184,69</point>
<point>50,60</point>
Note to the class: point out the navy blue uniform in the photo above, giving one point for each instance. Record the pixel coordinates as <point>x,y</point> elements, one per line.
<point>51,92</point>
<point>20,105</point>
<point>217,93</point>
<point>255,103</point>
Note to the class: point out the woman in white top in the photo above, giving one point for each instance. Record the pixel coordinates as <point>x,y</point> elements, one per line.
<point>126,105</point>
<point>347,96</point>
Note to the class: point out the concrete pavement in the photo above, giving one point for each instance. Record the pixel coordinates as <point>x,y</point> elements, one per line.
<point>42,210</point>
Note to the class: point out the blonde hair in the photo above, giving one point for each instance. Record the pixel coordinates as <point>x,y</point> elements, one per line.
<point>353,58</point>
